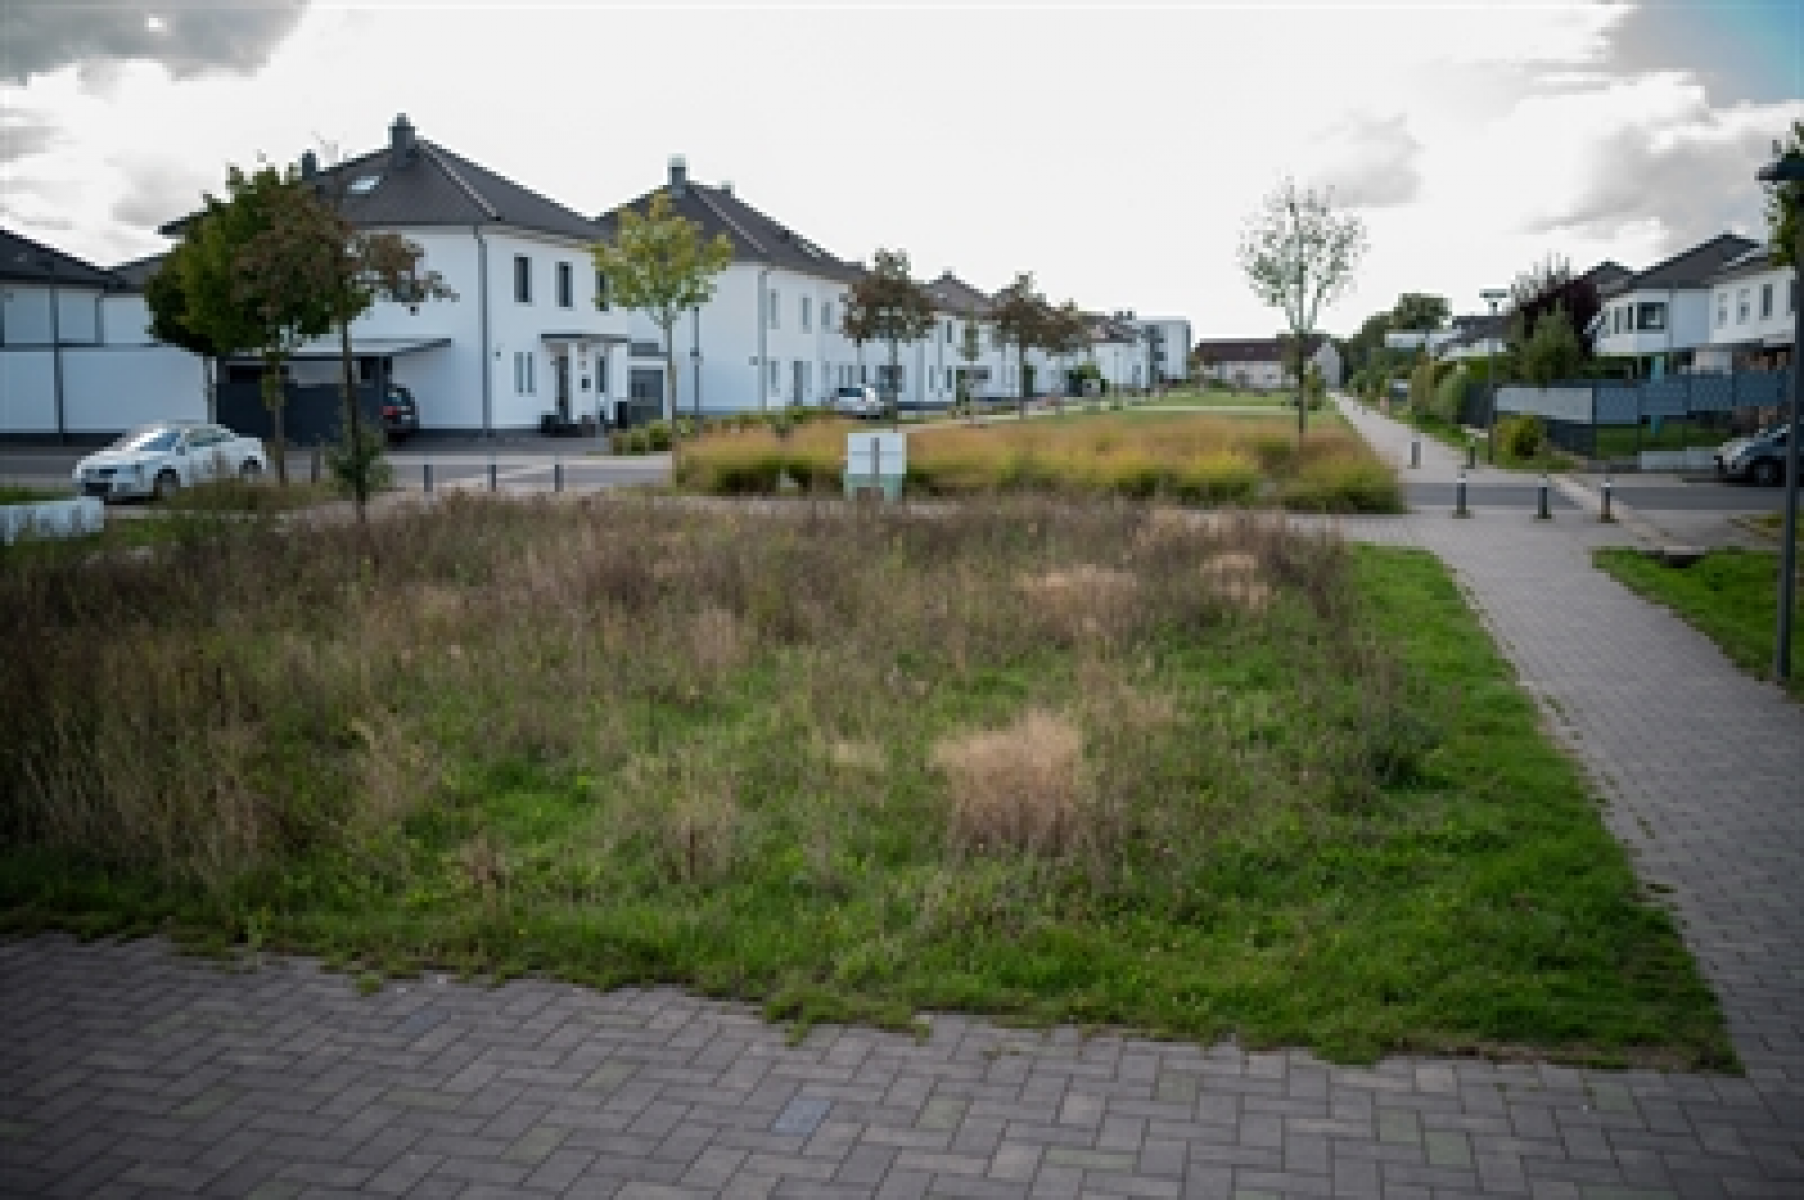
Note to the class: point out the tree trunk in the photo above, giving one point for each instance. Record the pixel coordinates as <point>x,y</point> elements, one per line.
<point>275,402</point>
<point>895,391</point>
<point>1302,399</point>
<point>670,377</point>
<point>360,490</point>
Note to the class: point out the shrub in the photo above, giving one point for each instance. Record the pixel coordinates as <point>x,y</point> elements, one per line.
<point>657,436</point>
<point>1521,436</point>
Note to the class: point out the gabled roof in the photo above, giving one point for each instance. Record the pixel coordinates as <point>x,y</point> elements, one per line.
<point>33,262</point>
<point>952,294</point>
<point>1607,275</point>
<point>1689,268</point>
<point>413,181</point>
<point>755,237</point>
<point>136,273</point>
<point>1754,262</point>
<point>1471,329</point>
<point>1231,350</point>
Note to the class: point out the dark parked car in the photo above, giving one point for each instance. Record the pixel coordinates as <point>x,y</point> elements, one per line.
<point>1760,458</point>
<point>400,415</point>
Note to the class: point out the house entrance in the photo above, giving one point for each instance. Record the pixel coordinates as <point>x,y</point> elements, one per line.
<point>560,372</point>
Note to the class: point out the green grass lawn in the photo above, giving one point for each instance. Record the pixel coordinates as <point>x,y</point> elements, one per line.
<point>1216,397</point>
<point>1732,595</point>
<point>1450,434</point>
<point>1101,763</point>
<point>13,493</point>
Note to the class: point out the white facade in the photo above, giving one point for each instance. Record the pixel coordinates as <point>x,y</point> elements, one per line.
<point>102,374</point>
<point>1170,347</point>
<point>1657,321</point>
<point>520,346</point>
<point>1751,311</point>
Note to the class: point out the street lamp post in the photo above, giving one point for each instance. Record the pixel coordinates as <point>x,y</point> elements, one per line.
<point>1493,297</point>
<point>1790,169</point>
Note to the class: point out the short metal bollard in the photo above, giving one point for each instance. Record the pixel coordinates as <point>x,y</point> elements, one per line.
<point>557,475</point>
<point>1459,497</point>
<point>426,476</point>
<point>1415,452</point>
<point>1542,514</point>
<point>1471,456</point>
<point>492,475</point>
<point>1605,514</point>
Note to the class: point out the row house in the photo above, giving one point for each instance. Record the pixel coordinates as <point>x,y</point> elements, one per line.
<point>531,331</point>
<point>1661,318</point>
<point>1263,364</point>
<point>1753,314</point>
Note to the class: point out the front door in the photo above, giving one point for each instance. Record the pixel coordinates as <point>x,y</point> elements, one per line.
<point>560,373</point>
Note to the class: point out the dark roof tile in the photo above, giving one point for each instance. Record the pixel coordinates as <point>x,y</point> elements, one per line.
<point>755,237</point>
<point>32,262</point>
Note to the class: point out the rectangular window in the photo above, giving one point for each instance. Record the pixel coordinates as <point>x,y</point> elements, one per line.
<point>774,308</point>
<point>996,339</point>
<point>1651,316</point>
<point>804,314</point>
<point>566,286</point>
<point>776,377</point>
<point>827,318</point>
<point>1722,309</point>
<point>601,291</point>
<point>1741,307</point>
<point>948,333</point>
<point>1766,301</point>
<point>522,279</point>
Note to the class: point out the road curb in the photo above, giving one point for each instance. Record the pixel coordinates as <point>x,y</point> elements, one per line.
<point>1591,502</point>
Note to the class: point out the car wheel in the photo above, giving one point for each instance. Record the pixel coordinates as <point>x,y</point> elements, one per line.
<point>250,471</point>
<point>166,485</point>
<point>1766,473</point>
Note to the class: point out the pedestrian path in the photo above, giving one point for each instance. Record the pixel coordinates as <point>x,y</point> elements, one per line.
<point>127,1071</point>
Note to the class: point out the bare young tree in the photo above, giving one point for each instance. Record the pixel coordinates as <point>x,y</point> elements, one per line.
<point>1300,254</point>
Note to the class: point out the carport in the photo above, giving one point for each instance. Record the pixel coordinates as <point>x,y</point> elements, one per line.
<point>310,414</point>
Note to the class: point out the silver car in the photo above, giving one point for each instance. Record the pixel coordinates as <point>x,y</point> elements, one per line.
<point>853,401</point>
<point>158,459</point>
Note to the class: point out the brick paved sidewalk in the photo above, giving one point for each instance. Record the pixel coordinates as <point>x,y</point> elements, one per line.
<point>128,1071</point>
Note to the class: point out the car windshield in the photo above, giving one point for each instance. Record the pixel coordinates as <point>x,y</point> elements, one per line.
<point>856,392</point>
<point>149,437</point>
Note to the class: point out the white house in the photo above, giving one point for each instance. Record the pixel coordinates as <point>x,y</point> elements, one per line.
<point>1169,341</point>
<point>1753,314</point>
<point>524,336</point>
<point>1263,363</point>
<point>1661,317</point>
<point>771,336</point>
<point>77,361</point>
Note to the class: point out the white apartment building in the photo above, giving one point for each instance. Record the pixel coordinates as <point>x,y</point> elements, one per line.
<point>1753,314</point>
<point>1661,317</point>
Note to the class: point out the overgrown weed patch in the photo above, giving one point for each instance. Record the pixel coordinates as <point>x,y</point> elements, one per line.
<point>1095,763</point>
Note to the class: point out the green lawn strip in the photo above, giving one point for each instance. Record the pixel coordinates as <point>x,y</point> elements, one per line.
<point>15,493</point>
<point>1619,441</point>
<point>1454,435</point>
<point>1212,397</point>
<point>1475,903</point>
<point>1731,594</point>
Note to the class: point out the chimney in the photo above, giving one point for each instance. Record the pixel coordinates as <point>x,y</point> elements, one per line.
<point>400,142</point>
<point>726,186</point>
<point>679,176</point>
<point>309,164</point>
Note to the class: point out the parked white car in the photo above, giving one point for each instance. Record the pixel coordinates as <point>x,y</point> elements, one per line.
<point>853,401</point>
<point>157,460</point>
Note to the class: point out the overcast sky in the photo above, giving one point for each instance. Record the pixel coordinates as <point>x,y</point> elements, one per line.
<point>1112,149</point>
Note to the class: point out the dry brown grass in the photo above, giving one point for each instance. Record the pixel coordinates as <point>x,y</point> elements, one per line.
<point>1084,601</point>
<point>1235,577</point>
<point>1021,787</point>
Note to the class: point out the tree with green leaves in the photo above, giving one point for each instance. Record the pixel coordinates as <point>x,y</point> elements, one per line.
<point>1785,204</point>
<point>352,269</point>
<point>1020,315</point>
<point>1066,334</point>
<point>1299,254</point>
<point>243,267</point>
<point>1553,351</point>
<point>1419,313</point>
<point>176,320</point>
<point>658,263</point>
<point>886,305</point>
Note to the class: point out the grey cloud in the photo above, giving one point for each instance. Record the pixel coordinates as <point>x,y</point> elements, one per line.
<point>158,191</point>
<point>23,135</point>
<point>1370,163</point>
<point>1694,188</point>
<point>196,35</point>
<point>1746,51</point>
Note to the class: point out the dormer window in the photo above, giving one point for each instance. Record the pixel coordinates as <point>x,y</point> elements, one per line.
<point>364,185</point>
